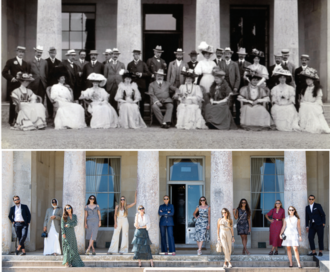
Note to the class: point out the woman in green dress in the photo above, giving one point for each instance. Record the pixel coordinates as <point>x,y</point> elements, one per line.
<point>69,242</point>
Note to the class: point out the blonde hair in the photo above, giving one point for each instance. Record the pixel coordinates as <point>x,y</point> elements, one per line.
<point>141,206</point>
<point>230,221</point>
<point>119,207</point>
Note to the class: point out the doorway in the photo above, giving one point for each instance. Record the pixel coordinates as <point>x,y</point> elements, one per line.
<point>162,25</point>
<point>249,28</point>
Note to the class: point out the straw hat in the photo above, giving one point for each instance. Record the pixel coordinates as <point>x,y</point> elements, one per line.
<point>94,77</point>
<point>158,49</point>
<point>71,52</point>
<point>39,48</point>
<point>310,73</point>
<point>24,77</point>
<point>160,72</point>
<point>204,47</point>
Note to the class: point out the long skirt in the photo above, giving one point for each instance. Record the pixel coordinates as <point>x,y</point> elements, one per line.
<point>190,117</point>
<point>52,242</point>
<point>312,118</point>
<point>285,117</point>
<point>219,116</point>
<point>92,229</point>
<point>31,116</point>
<point>206,82</point>
<point>141,245</point>
<point>255,118</point>
<point>69,115</point>
<point>130,117</point>
<point>274,233</point>
<point>103,115</point>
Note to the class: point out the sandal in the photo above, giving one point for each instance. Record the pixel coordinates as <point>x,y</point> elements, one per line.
<point>276,252</point>
<point>247,252</point>
<point>93,253</point>
<point>271,253</point>
<point>87,252</point>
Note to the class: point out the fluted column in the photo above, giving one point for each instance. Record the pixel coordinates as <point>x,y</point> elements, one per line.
<point>221,189</point>
<point>7,198</point>
<point>208,22</point>
<point>49,26</point>
<point>148,192</point>
<point>286,28</point>
<point>295,189</point>
<point>74,190</point>
<point>129,28</point>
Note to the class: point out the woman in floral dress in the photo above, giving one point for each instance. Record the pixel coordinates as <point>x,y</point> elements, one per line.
<point>69,242</point>
<point>276,223</point>
<point>202,225</point>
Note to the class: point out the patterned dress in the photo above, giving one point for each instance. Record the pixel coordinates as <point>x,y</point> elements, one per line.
<point>242,223</point>
<point>69,244</point>
<point>275,227</point>
<point>201,233</point>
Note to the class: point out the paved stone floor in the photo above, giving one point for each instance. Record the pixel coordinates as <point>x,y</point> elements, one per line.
<point>157,138</point>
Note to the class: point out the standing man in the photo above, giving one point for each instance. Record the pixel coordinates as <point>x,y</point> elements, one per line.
<point>315,223</point>
<point>193,62</point>
<point>156,62</point>
<point>9,72</point>
<point>39,71</point>
<point>20,217</point>
<point>73,73</point>
<point>219,60</point>
<point>298,80</point>
<point>94,66</point>
<point>174,76</point>
<point>233,79</point>
<point>272,82</point>
<point>111,73</point>
<point>140,70</point>
<point>108,56</point>
<point>52,62</point>
<point>81,61</point>
<point>287,65</point>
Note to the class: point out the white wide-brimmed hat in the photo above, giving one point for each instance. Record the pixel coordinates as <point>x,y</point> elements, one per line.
<point>39,48</point>
<point>204,47</point>
<point>115,51</point>
<point>97,78</point>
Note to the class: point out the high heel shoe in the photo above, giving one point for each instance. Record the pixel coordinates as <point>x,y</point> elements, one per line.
<point>87,252</point>
<point>151,265</point>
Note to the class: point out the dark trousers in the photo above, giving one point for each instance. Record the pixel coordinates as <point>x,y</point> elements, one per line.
<point>167,118</point>
<point>49,107</point>
<point>142,101</point>
<point>170,238</point>
<point>233,101</point>
<point>21,230</point>
<point>311,234</point>
<point>112,101</point>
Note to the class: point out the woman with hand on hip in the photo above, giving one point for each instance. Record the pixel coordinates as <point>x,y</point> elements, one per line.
<point>226,235</point>
<point>202,225</point>
<point>292,231</point>
<point>141,242</point>
<point>243,214</point>
<point>92,221</point>
<point>276,223</point>
<point>121,224</point>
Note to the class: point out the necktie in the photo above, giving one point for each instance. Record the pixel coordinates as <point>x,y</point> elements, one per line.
<point>160,84</point>
<point>285,65</point>
<point>93,63</point>
<point>38,62</point>
<point>240,63</point>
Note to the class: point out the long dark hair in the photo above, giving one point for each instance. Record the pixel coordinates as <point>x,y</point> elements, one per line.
<point>295,212</point>
<point>247,207</point>
<point>317,87</point>
<point>200,203</point>
<point>88,201</point>
<point>65,213</point>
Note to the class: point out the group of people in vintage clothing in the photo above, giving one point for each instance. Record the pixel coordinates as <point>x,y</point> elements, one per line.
<point>284,230</point>
<point>207,94</point>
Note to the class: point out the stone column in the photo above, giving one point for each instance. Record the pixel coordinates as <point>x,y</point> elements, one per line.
<point>295,189</point>
<point>74,190</point>
<point>23,187</point>
<point>148,192</point>
<point>49,26</point>
<point>208,23</point>
<point>129,29</point>
<point>7,198</point>
<point>286,28</point>
<point>221,189</point>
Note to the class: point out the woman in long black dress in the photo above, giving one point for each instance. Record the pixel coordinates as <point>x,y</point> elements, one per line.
<point>216,109</point>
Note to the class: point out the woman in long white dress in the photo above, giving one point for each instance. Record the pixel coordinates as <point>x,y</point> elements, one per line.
<point>283,111</point>
<point>205,66</point>
<point>128,96</point>
<point>189,113</point>
<point>31,114</point>
<point>311,111</point>
<point>69,114</point>
<point>103,114</point>
<point>292,231</point>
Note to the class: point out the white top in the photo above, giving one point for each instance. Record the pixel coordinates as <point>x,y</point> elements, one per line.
<point>178,62</point>
<point>308,96</point>
<point>311,206</point>
<point>204,66</point>
<point>141,222</point>
<point>19,60</point>
<point>60,93</point>
<point>291,232</point>
<point>18,213</point>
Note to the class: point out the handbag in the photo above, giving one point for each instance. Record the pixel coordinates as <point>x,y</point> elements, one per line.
<point>44,235</point>
<point>235,225</point>
<point>219,246</point>
<point>283,236</point>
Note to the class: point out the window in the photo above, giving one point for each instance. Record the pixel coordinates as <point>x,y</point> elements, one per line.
<point>103,181</point>
<point>160,22</point>
<point>186,169</point>
<point>78,27</point>
<point>267,186</point>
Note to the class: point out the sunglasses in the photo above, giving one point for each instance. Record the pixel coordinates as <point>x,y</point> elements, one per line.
<point>243,202</point>
<point>16,199</point>
<point>311,198</point>
<point>141,208</point>
<point>278,203</point>
<point>202,199</point>
<point>123,199</point>
<point>165,198</point>
<point>54,202</point>
<point>291,210</point>
<point>68,208</point>
<point>224,212</point>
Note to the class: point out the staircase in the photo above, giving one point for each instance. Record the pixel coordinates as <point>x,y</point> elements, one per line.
<point>185,263</point>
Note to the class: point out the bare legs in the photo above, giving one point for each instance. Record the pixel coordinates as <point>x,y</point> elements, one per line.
<point>244,242</point>
<point>200,244</point>
<point>91,245</point>
<point>151,263</point>
<point>296,254</point>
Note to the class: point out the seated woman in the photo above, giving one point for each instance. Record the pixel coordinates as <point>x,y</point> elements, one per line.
<point>69,114</point>
<point>283,110</point>
<point>103,114</point>
<point>31,114</point>
<point>311,111</point>
<point>189,114</point>
<point>127,97</point>
<point>216,110</point>
<point>254,115</point>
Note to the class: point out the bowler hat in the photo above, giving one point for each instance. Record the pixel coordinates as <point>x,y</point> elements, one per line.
<point>135,51</point>
<point>193,52</point>
<point>52,49</point>
<point>158,49</point>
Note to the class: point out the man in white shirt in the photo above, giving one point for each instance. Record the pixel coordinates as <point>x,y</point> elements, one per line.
<point>20,217</point>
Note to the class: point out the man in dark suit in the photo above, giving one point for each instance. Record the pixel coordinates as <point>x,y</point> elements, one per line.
<point>141,72</point>
<point>300,83</point>
<point>271,83</point>
<point>156,62</point>
<point>233,79</point>
<point>219,60</point>
<point>20,217</point>
<point>160,97</point>
<point>81,61</point>
<point>52,62</point>
<point>193,62</point>
<point>72,69</point>
<point>315,223</point>
<point>287,65</point>
<point>9,72</point>
<point>108,54</point>
<point>39,71</point>
<point>94,66</point>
